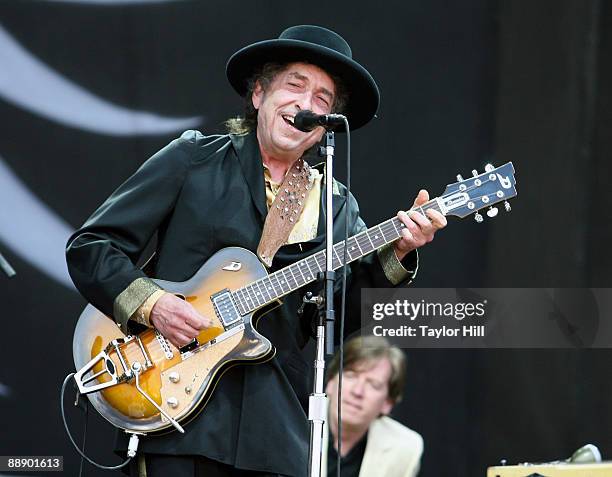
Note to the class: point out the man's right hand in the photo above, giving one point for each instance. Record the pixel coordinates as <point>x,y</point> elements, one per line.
<point>177,320</point>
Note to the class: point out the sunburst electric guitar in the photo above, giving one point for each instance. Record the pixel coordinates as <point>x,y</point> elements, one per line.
<point>142,383</point>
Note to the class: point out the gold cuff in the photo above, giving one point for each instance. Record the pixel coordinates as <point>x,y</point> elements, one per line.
<point>130,299</point>
<point>393,268</point>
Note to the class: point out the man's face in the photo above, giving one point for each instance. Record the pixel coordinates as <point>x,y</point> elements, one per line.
<point>298,87</point>
<point>365,393</point>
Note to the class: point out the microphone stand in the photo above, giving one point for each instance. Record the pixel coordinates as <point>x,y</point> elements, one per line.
<point>6,267</point>
<point>317,402</point>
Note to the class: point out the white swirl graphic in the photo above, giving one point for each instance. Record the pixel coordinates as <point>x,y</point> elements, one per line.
<point>30,84</point>
<point>31,229</point>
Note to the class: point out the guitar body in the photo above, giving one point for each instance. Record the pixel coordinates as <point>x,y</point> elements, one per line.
<point>181,382</point>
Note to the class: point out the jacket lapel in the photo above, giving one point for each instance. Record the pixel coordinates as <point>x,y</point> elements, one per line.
<point>247,150</point>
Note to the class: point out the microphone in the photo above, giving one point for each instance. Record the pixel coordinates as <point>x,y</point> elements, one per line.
<point>307,120</point>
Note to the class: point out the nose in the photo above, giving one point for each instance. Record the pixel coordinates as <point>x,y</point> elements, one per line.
<point>304,102</point>
<point>358,387</point>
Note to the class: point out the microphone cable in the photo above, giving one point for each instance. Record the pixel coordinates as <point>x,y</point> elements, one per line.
<point>343,296</point>
<point>83,456</point>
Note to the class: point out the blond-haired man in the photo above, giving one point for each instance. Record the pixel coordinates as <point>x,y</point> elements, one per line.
<point>372,444</point>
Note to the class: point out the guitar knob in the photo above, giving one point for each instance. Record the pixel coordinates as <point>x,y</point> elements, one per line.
<point>492,212</point>
<point>507,206</point>
<point>478,218</point>
<point>174,377</point>
<point>489,167</point>
<point>172,402</point>
<point>459,177</point>
<point>474,172</point>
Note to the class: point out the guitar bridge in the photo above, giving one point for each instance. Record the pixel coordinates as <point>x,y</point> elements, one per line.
<point>84,376</point>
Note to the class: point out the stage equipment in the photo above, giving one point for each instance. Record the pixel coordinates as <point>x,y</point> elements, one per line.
<point>585,462</point>
<point>552,470</point>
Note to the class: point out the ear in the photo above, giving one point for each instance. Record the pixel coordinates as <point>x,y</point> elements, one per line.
<point>257,95</point>
<point>387,406</point>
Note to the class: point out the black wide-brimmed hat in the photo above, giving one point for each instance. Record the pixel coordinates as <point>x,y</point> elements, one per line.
<point>321,47</point>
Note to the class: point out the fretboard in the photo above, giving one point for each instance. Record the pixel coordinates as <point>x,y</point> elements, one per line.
<point>282,282</point>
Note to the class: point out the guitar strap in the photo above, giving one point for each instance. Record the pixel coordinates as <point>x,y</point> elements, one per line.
<point>285,211</point>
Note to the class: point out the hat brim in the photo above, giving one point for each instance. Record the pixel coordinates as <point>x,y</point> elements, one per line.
<point>364,96</point>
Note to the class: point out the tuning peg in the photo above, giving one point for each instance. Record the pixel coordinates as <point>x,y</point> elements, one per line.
<point>478,218</point>
<point>459,177</point>
<point>492,212</point>
<point>507,206</point>
<point>474,172</point>
<point>489,167</point>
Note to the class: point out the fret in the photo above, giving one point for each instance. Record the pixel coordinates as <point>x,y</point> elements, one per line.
<point>287,280</point>
<point>239,299</point>
<point>253,294</point>
<point>262,286</point>
<point>313,275</point>
<point>357,242</point>
<point>377,238</point>
<point>401,226</point>
<point>363,244</point>
<point>382,233</point>
<point>258,293</point>
<point>283,280</point>
<point>337,257</point>
<point>367,232</point>
<point>348,251</point>
<point>340,252</point>
<point>278,289</point>
<point>270,290</point>
<point>352,249</point>
<point>321,256</point>
<point>297,283</point>
<point>387,233</point>
<point>257,289</point>
<point>301,273</point>
<point>238,302</point>
<point>249,298</point>
<point>308,276</point>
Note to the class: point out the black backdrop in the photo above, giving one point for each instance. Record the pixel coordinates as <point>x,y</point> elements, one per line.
<point>463,83</point>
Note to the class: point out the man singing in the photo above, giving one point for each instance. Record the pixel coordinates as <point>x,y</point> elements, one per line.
<point>200,194</point>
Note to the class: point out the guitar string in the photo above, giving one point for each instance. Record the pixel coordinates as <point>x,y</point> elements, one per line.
<point>385,228</point>
<point>432,204</point>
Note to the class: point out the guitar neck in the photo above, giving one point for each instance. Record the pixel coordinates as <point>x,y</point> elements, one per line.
<point>282,282</point>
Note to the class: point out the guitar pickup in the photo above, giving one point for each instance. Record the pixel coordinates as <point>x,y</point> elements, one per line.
<point>225,308</point>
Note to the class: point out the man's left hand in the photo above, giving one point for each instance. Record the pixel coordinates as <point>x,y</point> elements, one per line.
<point>419,229</point>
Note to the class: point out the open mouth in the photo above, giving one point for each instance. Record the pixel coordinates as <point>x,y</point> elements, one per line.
<point>289,120</point>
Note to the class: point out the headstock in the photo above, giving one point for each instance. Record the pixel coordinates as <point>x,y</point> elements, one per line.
<point>467,196</point>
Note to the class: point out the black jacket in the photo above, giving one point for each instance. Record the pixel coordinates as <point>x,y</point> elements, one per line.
<point>201,194</point>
